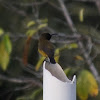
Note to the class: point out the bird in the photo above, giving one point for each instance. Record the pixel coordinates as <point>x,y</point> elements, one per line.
<point>45,47</point>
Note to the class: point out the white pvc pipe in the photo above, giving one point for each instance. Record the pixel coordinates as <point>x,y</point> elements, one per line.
<point>56,86</point>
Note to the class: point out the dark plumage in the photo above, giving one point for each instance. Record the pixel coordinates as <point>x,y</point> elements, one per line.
<point>45,47</point>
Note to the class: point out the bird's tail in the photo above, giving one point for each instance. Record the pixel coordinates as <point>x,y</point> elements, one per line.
<point>52,60</point>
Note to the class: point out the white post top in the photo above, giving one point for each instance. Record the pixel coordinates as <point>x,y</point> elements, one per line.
<point>56,86</point>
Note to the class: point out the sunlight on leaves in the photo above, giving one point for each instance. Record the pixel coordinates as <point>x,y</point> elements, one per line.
<point>4,56</point>
<point>41,26</point>
<point>81,15</point>
<point>78,57</point>
<point>86,84</point>
<point>72,46</point>
<point>31,32</point>
<point>39,63</point>
<point>69,46</point>
<point>31,23</point>
<point>5,50</point>
<point>57,55</point>
<point>7,43</point>
<point>1,31</point>
<point>35,26</point>
<point>44,20</point>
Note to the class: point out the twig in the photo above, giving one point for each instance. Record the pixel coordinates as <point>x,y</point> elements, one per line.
<point>89,45</point>
<point>96,41</point>
<point>13,8</point>
<point>30,4</point>
<point>20,80</point>
<point>74,30</point>
<point>24,87</point>
<point>54,6</point>
<point>97,2</point>
<point>85,0</point>
<point>68,38</point>
<point>28,68</point>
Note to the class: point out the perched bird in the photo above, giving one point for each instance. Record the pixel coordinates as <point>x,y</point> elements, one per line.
<point>45,47</point>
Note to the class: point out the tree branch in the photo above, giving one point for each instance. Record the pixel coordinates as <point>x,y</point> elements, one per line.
<point>13,8</point>
<point>54,6</point>
<point>62,37</point>
<point>74,30</point>
<point>97,2</point>
<point>30,4</point>
<point>85,0</point>
<point>20,80</point>
<point>24,87</point>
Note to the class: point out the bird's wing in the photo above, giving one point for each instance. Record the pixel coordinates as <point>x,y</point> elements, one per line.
<point>48,48</point>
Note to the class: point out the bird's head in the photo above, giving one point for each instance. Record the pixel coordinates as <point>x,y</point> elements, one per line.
<point>46,36</point>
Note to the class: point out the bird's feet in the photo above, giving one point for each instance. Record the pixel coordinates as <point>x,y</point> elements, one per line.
<point>47,60</point>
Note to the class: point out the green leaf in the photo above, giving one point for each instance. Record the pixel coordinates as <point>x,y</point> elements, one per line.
<point>1,31</point>
<point>57,55</point>
<point>31,32</point>
<point>78,57</point>
<point>41,26</point>
<point>7,43</point>
<point>73,45</point>
<point>81,15</point>
<point>86,84</point>
<point>35,93</point>
<point>70,46</point>
<point>67,71</point>
<point>31,23</point>
<point>44,20</point>
<point>39,63</point>
<point>4,56</point>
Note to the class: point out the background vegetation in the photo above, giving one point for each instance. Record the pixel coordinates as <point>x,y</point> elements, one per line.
<point>77,45</point>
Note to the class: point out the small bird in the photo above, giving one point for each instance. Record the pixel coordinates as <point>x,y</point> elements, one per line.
<point>45,47</point>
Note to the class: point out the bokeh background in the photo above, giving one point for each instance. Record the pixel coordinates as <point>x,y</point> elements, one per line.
<point>77,45</point>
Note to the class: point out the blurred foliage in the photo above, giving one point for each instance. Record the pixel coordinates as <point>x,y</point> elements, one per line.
<point>5,51</point>
<point>34,27</point>
<point>22,22</point>
<point>1,31</point>
<point>57,54</point>
<point>81,15</point>
<point>32,96</point>
<point>86,85</point>
<point>78,57</point>
<point>39,63</point>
